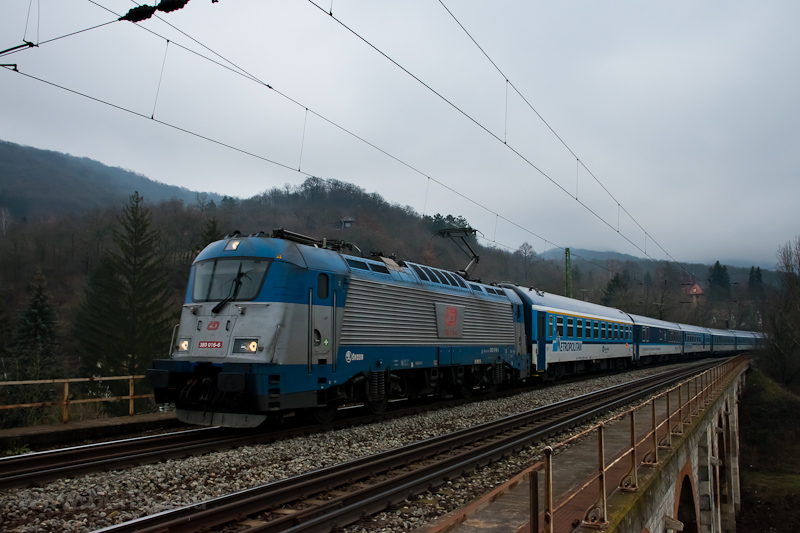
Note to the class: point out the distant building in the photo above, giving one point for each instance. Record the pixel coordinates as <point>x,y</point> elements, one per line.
<point>695,293</point>
<point>346,223</point>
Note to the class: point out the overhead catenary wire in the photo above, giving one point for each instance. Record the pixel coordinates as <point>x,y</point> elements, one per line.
<point>579,162</point>
<point>238,70</point>
<point>266,159</point>
<point>495,136</point>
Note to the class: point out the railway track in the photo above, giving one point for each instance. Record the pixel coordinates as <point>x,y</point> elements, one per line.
<point>333,497</point>
<point>40,467</point>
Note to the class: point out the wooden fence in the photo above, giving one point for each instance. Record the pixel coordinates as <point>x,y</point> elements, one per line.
<point>65,402</point>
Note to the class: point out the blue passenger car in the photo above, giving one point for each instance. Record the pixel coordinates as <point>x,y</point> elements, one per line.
<point>655,340</point>
<point>566,336</point>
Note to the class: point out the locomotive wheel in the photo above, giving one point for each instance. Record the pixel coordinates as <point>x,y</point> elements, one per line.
<point>325,414</point>
<point>466,389</point>
<point>377,407</point>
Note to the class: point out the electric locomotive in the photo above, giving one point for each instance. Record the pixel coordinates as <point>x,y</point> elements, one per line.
<point>292,324</point>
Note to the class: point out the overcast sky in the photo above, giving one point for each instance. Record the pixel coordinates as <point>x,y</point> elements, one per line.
<point>687,112</point>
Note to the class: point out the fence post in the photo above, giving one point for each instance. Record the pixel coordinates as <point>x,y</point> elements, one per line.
<point>130,394</point>
<point>634,473</point>
<point>601,459</point>
<point>65,404</point>
<point>533,480</point>
<point>655,431</point>
<point>548,489</point>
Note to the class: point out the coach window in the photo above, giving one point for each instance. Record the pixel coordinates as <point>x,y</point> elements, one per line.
<point>579,334</point>
<point>603,330</point>
<point>322,286</point>
<point>597,330</point>
<point>560,326</point>
<point>550,329</point>
<point>569,327</point>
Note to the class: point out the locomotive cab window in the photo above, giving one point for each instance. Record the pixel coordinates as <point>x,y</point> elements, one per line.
<point>233,278</point>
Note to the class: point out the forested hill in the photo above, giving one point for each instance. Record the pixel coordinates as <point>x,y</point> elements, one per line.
<point>36,182</point>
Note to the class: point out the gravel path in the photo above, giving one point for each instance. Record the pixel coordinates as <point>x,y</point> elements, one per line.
<point>98,500</point>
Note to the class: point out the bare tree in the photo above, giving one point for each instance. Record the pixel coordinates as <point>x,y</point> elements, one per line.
<point>5,220</point>
<point>782,320</point>
<point>526,258</point>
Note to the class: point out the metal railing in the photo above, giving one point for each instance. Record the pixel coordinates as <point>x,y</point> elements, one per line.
<point>706,388</point>
<point>65,401</point>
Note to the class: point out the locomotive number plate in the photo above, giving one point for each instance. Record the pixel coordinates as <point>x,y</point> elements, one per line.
<point>209,344</point>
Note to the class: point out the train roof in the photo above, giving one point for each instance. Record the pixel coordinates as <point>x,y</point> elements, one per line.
<point>261,245</point>
<point>561,304</point>
<point>694,329</point>
<point>647,321</point>
<point>724,332</point>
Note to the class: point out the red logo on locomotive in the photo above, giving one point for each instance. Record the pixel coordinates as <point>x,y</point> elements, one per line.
<point>451,317</point>
<point>213,325</point>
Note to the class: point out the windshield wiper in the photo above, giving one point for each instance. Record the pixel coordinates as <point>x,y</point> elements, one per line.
<point>237,284</point>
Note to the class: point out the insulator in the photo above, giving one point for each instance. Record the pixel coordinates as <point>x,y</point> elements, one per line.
<point>171,5</point>
<point>138,14</point>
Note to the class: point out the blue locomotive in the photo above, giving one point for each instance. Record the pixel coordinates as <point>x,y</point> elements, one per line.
<point>288,324</point>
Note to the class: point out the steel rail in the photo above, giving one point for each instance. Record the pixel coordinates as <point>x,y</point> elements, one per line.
<point>40,467</point>
<point>477,446</point>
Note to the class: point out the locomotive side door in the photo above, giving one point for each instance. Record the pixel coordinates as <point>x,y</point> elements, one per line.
<point>321,327</point>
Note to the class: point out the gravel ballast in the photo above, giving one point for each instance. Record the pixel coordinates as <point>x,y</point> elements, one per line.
<point>98,500</point>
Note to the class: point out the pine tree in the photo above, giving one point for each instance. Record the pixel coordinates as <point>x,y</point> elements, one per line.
<point>755,285</point>
<point>124,322</point>
<point>617,292</point>
<point>719,283</point>
<point>34,355</point>
<point>211,232</point>
<point>35,348</point>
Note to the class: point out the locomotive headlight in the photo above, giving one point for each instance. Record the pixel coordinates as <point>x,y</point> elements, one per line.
<point>245,346</point>
<point>183,345</point>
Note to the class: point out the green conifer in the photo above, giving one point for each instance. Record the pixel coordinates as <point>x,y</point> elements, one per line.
<point>124,322</point>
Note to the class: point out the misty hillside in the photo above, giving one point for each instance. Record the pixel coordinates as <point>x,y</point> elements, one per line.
<point>37,182</point>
